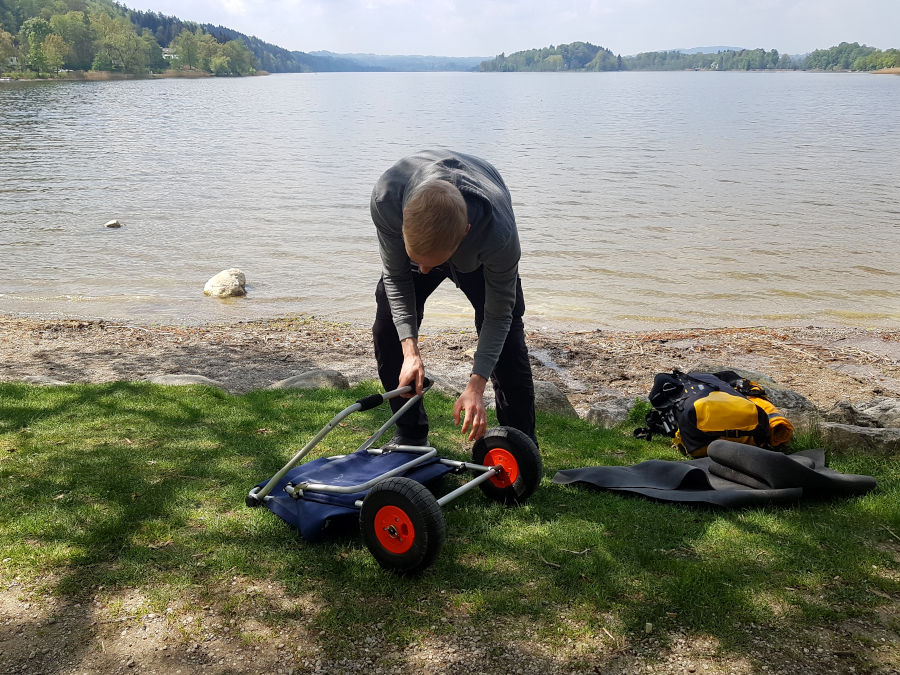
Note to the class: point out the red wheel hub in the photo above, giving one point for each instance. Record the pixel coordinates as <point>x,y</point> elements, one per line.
<point>394,529</point>
<point>509,467</point>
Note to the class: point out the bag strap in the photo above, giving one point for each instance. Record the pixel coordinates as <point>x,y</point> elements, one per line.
<point>658,422</point>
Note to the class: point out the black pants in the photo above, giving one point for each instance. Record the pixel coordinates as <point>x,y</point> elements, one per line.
<point>511,379</point>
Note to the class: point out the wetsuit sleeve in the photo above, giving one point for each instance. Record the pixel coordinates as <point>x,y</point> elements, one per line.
<point>396,269</point>
<point>501,272</point>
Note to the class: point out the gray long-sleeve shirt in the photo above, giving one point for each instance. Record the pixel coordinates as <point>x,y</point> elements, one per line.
<point>492,242</point>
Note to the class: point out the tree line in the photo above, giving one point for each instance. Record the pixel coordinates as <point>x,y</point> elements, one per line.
<point>586,57</point>
<point>39,38</point>
<point>581,56</point>
<point>269,57</point>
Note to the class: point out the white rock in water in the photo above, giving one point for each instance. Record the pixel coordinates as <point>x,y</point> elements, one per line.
<point>113,223</point>
<point>226,284</point>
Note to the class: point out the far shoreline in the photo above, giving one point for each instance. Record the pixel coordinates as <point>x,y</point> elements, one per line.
<point>112,76</point>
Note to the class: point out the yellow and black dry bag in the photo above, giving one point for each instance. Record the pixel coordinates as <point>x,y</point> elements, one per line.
<point>697,408</point>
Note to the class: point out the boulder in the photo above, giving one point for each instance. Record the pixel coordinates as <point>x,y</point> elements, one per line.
<point>228,283</point>
<point>181,380</point>
<point>549,398</point>
<point>610,412</point>
<point>879,413</point>
<point>43,380</point>
<point>871,439</point>
<point>314,379</point>
<point>113,223</point>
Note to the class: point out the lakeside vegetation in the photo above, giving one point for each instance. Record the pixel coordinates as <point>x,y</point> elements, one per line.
<point>586,57</point>
<point>42,38</point>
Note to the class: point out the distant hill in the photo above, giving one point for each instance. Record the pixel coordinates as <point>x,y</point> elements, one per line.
<point>708,50</point>
<point>271,58</point>
<point>405,63</point>
<point>325,62</point>
<point>275,59</point>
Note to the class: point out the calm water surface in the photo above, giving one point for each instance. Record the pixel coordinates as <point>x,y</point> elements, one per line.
<point>643,199</point>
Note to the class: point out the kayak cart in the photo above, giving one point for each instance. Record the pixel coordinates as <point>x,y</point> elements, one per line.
<point>400,519</point>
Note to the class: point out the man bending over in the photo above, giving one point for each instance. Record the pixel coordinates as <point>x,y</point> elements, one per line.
<point>442,214</point>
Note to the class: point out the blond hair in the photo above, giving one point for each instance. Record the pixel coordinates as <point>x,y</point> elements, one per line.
<point>435,219</point>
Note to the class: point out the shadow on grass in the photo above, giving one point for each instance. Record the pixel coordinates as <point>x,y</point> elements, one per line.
<point>135,486</point>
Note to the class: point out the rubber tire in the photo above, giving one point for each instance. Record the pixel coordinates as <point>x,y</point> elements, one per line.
<point>421,508</point>
<point>527,456</point>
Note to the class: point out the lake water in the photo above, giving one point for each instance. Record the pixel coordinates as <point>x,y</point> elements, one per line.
<point>644,200</point>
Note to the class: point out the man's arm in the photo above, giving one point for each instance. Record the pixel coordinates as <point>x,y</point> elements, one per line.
<point>400,291</point>
<point>501,274</point>
<point>500,282</point>
<point>396,272</point>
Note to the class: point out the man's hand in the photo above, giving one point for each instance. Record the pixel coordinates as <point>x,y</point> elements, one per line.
<point>413,370</point>
<point>470,406</point>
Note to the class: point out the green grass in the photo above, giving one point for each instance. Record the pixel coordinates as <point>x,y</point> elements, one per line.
<point>137,487</point>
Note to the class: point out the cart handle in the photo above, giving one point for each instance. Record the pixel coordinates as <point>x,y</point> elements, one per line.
<point>257,495</point>
<point>375,400</point>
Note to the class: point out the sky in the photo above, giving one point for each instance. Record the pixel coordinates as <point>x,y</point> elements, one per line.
<point>489,27</point>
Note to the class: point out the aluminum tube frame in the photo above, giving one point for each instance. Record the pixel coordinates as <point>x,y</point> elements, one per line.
<point>259,494</point>
<point>488,473</point>
<point>393,418</point>
<point>297,490</point>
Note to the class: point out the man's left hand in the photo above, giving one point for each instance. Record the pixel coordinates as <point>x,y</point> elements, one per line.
<point>470,407</point>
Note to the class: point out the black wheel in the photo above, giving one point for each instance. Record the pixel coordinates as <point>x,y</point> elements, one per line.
<point>520,459</point>
<point>402,524</point>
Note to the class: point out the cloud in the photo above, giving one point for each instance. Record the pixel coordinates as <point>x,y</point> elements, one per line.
<point>235,7</point>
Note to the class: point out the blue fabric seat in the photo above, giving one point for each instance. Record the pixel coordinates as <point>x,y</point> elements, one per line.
<point>312,513</point>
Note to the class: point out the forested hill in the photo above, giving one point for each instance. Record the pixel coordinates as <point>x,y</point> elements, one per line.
<point>130,40</point>
<point>583,56</point>
<point>271,58</point>
<point>83,24</point>
<point>575,56</point>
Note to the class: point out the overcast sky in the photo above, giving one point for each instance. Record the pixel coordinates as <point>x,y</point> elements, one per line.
<point>489,27</point>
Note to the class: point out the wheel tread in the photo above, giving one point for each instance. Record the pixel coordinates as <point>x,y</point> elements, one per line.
<point>527,456</point>
<point>431,527</point>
